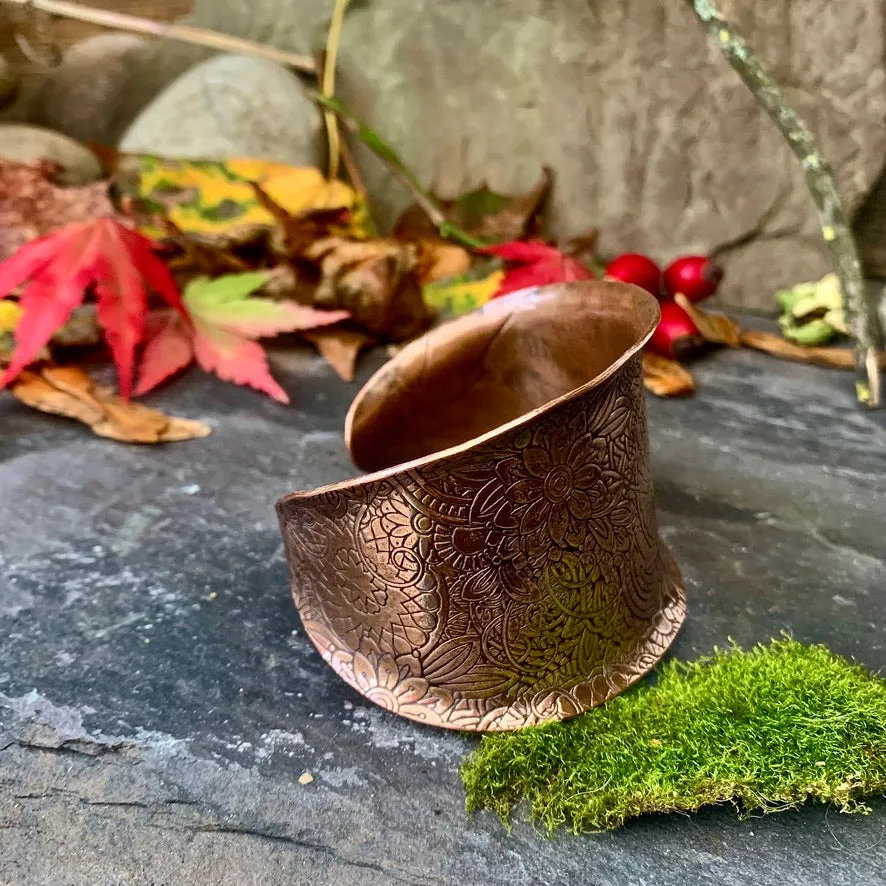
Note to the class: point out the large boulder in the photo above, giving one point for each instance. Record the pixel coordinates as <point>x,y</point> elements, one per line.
<point>230,106</point>
<point>651,134</point>
<point>75,98</point>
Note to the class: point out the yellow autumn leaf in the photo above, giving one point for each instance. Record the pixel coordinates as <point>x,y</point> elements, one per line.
<point>215,201</point>
<point>295,189</point>
<point>457,295</point>
<point>9,315</point>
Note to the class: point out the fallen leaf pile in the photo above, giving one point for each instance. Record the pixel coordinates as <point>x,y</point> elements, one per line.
<point>219,329</point>
<point>310,234</point>
<point>463,293</point>
<point>375,281</point>
<point>260,249</point>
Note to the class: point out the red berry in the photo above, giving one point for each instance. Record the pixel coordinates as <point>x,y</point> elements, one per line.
<point>676,335</point>
<point>695,276</point>
<point>637,269</point>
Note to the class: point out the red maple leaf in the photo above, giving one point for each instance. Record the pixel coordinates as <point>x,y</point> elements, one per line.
<point>220,331</point>
<point>56,271</point>
<point>536,264</point>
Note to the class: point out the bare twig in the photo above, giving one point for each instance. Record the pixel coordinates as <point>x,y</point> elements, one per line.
<point>328,85</point>
<point>822,186</point>
<point>386,153</point>
<point>353,170</point>
<point>198,36</point>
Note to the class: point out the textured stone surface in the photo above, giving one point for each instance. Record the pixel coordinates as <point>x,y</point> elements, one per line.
<point>76,97</point>
<point>28,144</point>
<point>230,106</point>
<point>159,701</point>
<point>652,136</point>
<point>870,230</point>
<point>50,37</point>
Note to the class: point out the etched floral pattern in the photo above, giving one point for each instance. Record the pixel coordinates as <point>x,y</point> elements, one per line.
<point>519,581</point>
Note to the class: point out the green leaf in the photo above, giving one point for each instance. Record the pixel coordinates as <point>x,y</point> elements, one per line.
<point>788,298</point>
<point>815,332</point>
<point>219,290</point>
<point>463,294</point>
<point>227,303</point>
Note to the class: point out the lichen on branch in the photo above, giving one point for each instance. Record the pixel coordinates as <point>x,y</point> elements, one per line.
<point>822,186</point>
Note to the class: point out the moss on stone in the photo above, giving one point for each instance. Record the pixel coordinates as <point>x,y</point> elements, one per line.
<point>765,730</point>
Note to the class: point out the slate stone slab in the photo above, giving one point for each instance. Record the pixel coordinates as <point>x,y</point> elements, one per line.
<point>158,700</point>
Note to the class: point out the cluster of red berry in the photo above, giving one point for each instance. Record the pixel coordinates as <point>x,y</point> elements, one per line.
<point>693,276</point>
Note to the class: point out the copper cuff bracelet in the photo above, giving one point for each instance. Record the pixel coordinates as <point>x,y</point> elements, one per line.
<point>501,566</point>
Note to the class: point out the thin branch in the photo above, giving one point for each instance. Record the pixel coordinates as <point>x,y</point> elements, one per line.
<point>822,186</point>
<point>386,153</point>
<point>328,85</point>
<point>198,36</point>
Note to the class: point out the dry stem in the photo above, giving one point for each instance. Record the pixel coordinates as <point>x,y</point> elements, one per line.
<point>198,36</point>
<point>328,85</point>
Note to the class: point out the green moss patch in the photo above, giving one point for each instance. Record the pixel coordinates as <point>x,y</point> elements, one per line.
<point>765,730</point>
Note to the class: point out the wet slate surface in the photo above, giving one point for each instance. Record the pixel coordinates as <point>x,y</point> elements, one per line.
<point>158,701</point>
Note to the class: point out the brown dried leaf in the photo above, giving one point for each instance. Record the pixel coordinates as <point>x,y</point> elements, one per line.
<point>483,214</point>
<point>714,328</point>
<point>188,258</point>
<point>282,282</point>
<point>68,391</point>
<point>295,233</point>
<point>31,205</point>
<point>376,280</point>
<point>438,260</point>
<point>495,218</point>
<point>771,343</point>
<point>666,378</point>
<point>36,391</point>
<point>340,348</point>
<point>583,247</point>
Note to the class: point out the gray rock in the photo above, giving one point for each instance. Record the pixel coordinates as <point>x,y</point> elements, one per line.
<point>79,98</point>
<point>159,699</point>
<point>27,144</point>
<point>231,106</point>
<point>651,134</point>
<point>8,81</point>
